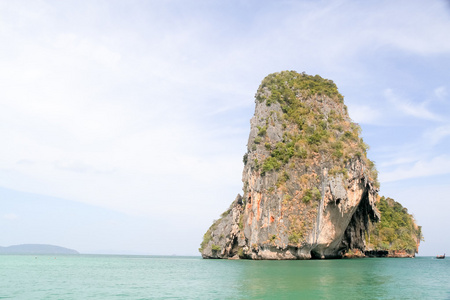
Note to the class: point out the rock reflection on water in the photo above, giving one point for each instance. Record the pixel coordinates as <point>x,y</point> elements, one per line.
<point>377,278</point>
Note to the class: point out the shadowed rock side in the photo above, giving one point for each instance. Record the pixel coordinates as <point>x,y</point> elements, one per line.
<point>309,188</point>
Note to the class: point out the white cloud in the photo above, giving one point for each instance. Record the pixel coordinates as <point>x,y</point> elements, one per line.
<point>409,108</point>
<point>365,114</point>
<point>422,168</point>
<point>399,159</point>
<point>412,26</point>
<point>74,47</point>
<point>437,134</point>
<point>142,111</point>
<point>113,114</point>
<point>10,216</point>
<point>441,92</point>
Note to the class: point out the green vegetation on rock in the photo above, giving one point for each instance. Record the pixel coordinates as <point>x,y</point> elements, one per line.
<point>207,236</point>
<point>315,121</point>
<point>284,84</point>
<point>206,239</point>
<point>215,247</point>
<point>396,229</point>
<point>313,194</point>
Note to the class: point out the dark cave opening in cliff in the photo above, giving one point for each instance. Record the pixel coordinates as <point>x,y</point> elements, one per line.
<point>315,255</point>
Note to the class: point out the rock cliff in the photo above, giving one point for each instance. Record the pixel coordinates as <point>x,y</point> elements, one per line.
<point>309,189</point>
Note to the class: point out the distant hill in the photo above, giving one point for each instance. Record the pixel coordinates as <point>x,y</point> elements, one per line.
<point>36,249</point>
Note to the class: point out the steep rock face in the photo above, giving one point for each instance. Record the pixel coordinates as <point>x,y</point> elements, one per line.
<point>223,238</point>
<point>309,188</point>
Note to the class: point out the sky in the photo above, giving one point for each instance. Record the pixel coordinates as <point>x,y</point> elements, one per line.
<point>123,123</point>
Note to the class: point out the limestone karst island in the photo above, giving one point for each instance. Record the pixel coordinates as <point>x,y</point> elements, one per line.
<point>309,189</point>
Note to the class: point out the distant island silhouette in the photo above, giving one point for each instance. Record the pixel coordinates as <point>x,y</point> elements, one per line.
<point>36,249</point>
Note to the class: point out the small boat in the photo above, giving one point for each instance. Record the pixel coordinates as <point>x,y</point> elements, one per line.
<point>440,256</point>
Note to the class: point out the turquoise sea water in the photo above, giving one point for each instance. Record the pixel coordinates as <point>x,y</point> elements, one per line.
<point>156,277</point>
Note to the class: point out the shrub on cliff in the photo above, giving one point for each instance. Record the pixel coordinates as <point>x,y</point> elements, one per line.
<point>396,229</point>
